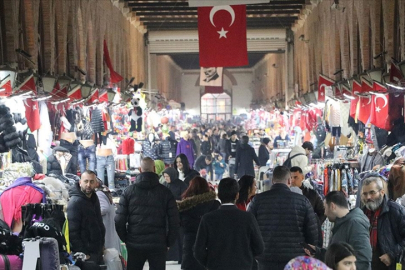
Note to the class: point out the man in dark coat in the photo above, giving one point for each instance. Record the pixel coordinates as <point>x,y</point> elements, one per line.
<point>228,238</point>
<point>286,219</point>
<point>245,155</point>
<point>147,219</point>
<point>86,228</point>
<point>387,220</point>
<point>204,162</point>
<point>297,180</point>
<point>231,146</point>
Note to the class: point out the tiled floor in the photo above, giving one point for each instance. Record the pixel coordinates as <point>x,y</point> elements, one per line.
<point>169,266</point>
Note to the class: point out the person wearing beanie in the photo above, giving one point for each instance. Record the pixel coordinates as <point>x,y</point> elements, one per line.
<point>264,152</point>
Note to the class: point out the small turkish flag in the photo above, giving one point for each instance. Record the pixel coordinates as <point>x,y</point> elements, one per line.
<point>103,97</point>
<point>379,111</point>
<point>28,85</point>
<point>32,114</point>
<point>395,74</point>
<point>75,93</point>
<point>366,86</point>
<point>6,89</point>
<point>93,97</point>
<point>222,36</point>
<point>323,82</point>
<point>365,107</point>
<point>378,87</point>
<point>353,106</point>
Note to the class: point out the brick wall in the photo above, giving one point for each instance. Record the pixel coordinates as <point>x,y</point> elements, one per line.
<point>62,34</point>
<point>347,39</point>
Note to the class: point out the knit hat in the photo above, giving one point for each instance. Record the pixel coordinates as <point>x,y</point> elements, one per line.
<point>233,132</point>
<point>305,263</point>
<point>159,167</point>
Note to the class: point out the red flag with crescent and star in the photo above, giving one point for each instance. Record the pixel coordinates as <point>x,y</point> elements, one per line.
<point>32,114</point>
<point>222,36</point>
<point>379,111</point>
<point>365,107</point>
<point>323,82</point>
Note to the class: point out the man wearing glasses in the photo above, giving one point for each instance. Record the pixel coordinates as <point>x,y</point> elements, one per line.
<point>387,220</point>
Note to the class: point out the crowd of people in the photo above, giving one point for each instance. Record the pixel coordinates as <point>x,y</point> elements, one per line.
<point>230,226</point>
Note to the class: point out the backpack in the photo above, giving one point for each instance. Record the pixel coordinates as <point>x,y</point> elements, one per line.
<point>287,162</point>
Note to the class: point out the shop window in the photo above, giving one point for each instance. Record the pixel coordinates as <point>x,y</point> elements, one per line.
<point>216,107</point>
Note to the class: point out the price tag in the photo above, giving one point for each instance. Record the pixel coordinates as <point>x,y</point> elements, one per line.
<point>398,266</point>
<point>170,155</point>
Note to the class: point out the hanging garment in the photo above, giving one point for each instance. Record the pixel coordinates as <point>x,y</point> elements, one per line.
<point>73,150</point>
<point>87,155</point>
<point>97,121</point>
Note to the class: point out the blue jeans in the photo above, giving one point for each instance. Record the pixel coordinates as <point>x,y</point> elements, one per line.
<point>106,162</point>
<point>85,154</point>
<point>218,176</point>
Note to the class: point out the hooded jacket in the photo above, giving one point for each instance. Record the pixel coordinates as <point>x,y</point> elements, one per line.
<point>300,160</point>
<point>147,217</point>
<point>150,150</point>
<point>245,155</point>
<point>167,150</point>
<point>354,229</point>
<point>86,228</point>
<point>391,230</point>
<point>176,186</point>
<point>191,211</point>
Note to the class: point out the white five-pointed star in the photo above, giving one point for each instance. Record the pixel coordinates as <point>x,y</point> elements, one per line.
<point>377,109</point>
<point>222,33</point>
<point>321,93</point>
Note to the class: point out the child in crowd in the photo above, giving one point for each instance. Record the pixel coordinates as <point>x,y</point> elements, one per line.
<point>219,167</point>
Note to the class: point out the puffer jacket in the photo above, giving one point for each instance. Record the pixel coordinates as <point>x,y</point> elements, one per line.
<point>150,150</point>
<point>391,230</point>
<point>54,166</point>
<point>300,160</point>
<point>245,155</point>
<point>191,211</point>
<point>285,219</point>
<point>167,151</point>
<point>147,217</point>
<point>86,228</point>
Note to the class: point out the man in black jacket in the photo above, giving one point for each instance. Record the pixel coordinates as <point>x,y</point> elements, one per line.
<point>222,244</point>
<point>147,219</point>
<point>86,228</point>
<point>231,146</point>
<point>245,156</point>
<point>387,220</point>
<point>297,179</point>
<point>204,162</point>
<point>286,219</point>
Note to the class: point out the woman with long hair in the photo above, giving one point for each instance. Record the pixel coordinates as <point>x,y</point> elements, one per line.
<point>182,165</point>
<point>247,189</point>
<point>340,256</point>
<point>198,200</point>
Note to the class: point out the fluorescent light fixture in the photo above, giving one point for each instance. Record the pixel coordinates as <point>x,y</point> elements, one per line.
<point>348,96</point>
<point>43,98</point>
<point>396,86</point>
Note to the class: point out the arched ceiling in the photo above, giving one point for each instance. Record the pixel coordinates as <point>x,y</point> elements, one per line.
<point>159,15</point>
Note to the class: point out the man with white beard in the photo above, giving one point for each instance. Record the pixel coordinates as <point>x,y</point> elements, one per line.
<point>387,224</point>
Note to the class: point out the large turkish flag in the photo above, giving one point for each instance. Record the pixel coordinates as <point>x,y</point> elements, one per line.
<point>222,36</point>
<point>365,107</point>
<point>32,114</point>
<point>322,83</point>
<point>379,111</point>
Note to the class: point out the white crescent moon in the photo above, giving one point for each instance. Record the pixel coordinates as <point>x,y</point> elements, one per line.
<point>323,85</point>
<point>384,97</point>
<point>218,8</point>
<point>369,100</point>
